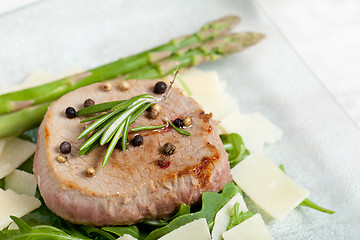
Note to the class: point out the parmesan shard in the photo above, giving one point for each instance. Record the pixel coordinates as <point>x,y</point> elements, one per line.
<point>15,152</point>
<point>202,83</point>
<point>220,105</point>
<point>21,182</point>
<point>195,230</point>
<point>222,218</point>
<point>254,129</point>
<point>14,204</point>
<point>3,141</point>
<point>270,188</point>
<point>251,229</point>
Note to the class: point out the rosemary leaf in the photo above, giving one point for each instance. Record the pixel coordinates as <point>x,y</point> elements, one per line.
<point>96,124</point>
<point>125,133</point>
<point>186,133</point>
<point>142,128</point>
<point>101,107</point>
<point>111,129</point>
<point>89,149</point>
<point>95,135</point>
<point>138,112</point>
<point>92,139</point>
<point>92,118</point>
<point>112,145</point>
<point>124,105</point>
<point>109,132</point>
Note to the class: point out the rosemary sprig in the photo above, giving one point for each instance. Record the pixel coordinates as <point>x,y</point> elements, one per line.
<point>114,124</point>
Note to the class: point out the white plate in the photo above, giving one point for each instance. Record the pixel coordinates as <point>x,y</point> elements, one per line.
<point>320,149</point>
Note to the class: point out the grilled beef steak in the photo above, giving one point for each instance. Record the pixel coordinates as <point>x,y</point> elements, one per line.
<point>139,183</point>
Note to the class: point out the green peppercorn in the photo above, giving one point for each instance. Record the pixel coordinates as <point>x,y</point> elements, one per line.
<point>168,148</point>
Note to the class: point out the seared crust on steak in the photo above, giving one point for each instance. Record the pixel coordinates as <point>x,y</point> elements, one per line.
<point>131,187</point>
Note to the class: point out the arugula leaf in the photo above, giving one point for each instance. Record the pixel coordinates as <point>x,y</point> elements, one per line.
<point>27,166</point>
<point>30,135</point>
<point>309,203</point>
<point>43,224</point>
<point>95,232</point>
<point>238,217</point>
<point>37,232</point>
<point>2,183</point>
<point>234,145</point>
<point>42,221</point>
<point>211,203</point>
<point>184,209</point>
<point>121,230</point>
<point>68,231</point>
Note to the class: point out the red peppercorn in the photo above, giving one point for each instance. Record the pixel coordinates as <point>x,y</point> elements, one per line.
<point>163,163</point>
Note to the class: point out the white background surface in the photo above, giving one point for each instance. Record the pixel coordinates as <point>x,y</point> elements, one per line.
<point>325,33</point>
<point>269,78</point>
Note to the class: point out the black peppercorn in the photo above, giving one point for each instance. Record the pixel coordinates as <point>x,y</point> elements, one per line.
<point>65,147</point>
<point>179,123</point>
<point>137,140</point>
<point>70,112</point>
<point>160,87</point>
<point>89,102</point>
<point>119,143</point>
<point>168,148</point>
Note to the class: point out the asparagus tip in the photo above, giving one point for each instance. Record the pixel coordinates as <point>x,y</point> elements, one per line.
<point>232,42</point>
<point>224,22</point>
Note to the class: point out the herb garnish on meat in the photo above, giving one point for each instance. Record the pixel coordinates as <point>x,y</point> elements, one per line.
<point>114,124</point>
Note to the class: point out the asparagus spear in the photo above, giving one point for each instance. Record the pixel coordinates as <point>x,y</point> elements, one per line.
<point>210,51</point>
<point>21,99</point>
<point>14,123</point>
